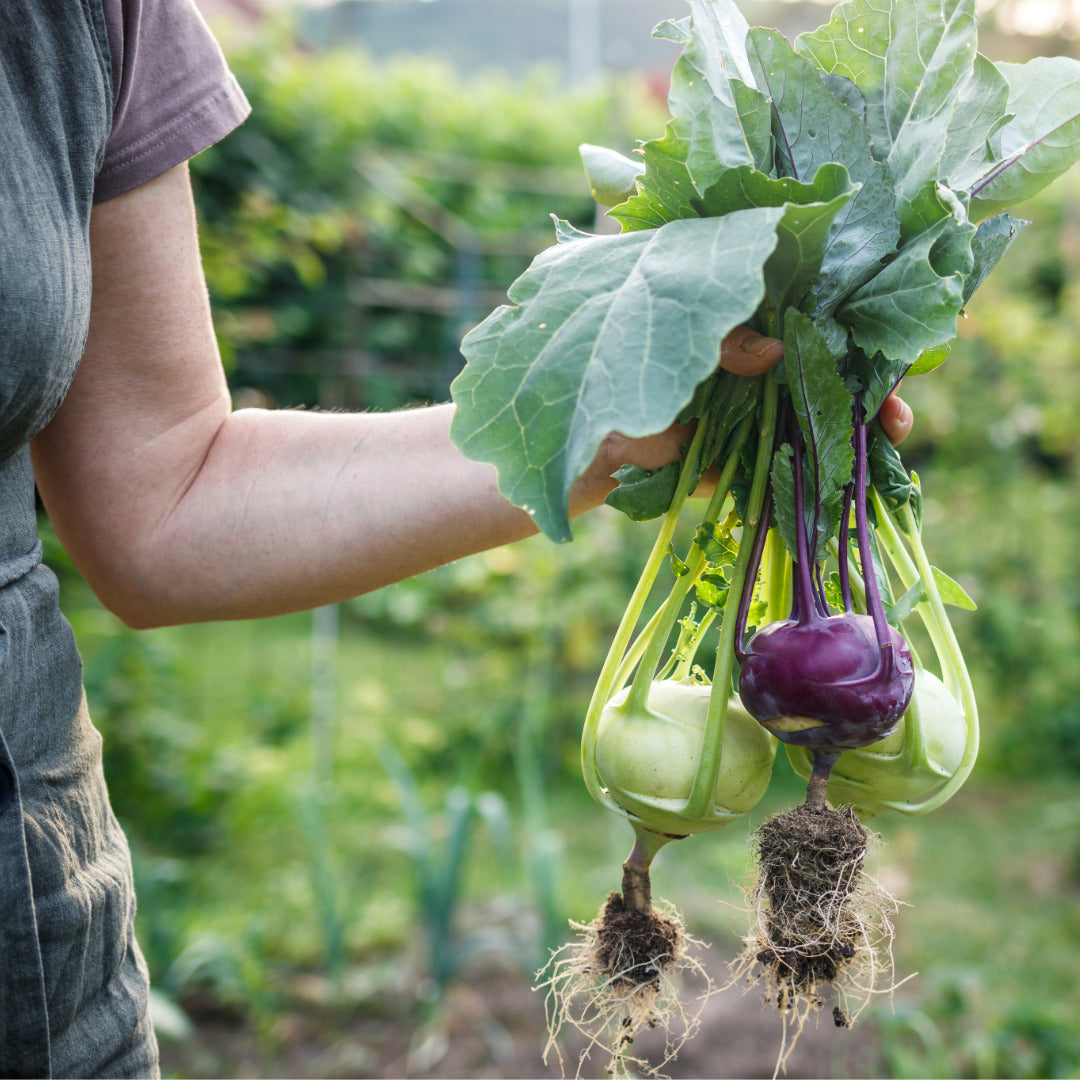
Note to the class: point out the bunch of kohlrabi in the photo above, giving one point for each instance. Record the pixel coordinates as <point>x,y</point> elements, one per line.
<point>845,193</point>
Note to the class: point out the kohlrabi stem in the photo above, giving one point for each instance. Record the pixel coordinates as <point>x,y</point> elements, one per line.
<point>843,551</point>
<point>696,563</point>
<point>777,578</point>
<point>889,539</point>
<point>699,803</point>
<point>636,883</point>
<point>953,667</point>
<point>862,534</point>
<point>953,659</point>
<point>818,786</point>
<point>807,602</point>
<point>609,671</point>
<point>752,568</point>
<point>634,652</point>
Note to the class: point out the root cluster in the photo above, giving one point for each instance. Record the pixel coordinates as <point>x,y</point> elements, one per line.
<point>822,924</point>
<point>619,977</point>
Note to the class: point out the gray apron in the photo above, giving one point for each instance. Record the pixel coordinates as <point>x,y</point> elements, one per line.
<point>73,986</point>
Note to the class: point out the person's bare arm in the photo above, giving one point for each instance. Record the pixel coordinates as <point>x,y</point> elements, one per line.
<point>177,509</point>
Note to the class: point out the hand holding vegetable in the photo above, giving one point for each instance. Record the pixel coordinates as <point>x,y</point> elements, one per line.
<point>743,352</point>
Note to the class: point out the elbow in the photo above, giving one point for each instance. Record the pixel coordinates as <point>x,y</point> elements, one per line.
<point>136,606</point>
<point>134,583</point>
<point>139,617</point>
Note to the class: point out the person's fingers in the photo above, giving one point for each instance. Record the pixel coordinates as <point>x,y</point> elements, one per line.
<point>896,419</point>
<point>650,452</point>
<point>746,352</point>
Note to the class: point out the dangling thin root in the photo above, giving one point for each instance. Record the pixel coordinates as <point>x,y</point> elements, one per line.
<point>822,925</point>
<point>620,977</point>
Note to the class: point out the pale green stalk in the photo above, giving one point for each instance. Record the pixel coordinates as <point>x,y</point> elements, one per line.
<point>778,578</point>
<point>699,804</point>
<point>609,672</point>
<point>912,567</point>
<point>696,563</point>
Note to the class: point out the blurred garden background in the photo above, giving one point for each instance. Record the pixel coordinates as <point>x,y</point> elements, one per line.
<point>358,832</point>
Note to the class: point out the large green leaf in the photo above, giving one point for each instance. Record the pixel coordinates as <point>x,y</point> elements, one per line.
<point>804,232</point>
<point>910,59</point>
<point>803,240</point>
<point>1041,140</point>
<point>993,238</point>
<point>726,120</point>
<point>609,333</point>
<point>888,475</point>
<point>912,305</point>
<point>811,128</point>
<point>981,109</point>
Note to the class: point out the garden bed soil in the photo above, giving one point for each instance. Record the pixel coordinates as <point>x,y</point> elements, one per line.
<point>491,1024</point>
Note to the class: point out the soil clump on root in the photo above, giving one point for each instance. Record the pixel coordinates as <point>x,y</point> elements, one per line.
<point>621,976</point>
<point>634,947</point>
<point>822,922</point>
<point>809,865</point>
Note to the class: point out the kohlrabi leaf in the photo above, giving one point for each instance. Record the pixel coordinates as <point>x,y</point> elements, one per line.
<point>612,333</point>
<point>929,361</point>
<point>952,592</point>
<point>644,494</point>
<point>981,109</point>
<point>806,228</point>
<point>745,186</point>
<point>912,305</point>
<point>994,237</point>
<point>887,473</point>
<point>803,240</point>
<point>846,92</point>
<point>812,128</point>
<point>823,410</point>
<point>910,59</point>
<point>1041,140</point>
<point>906,605</point>
<point>726,120</point>
<point>612,176</point>
<point>565,233</point>
<point>732,398</point>
<point>677,30</point>
<point>665,190</point>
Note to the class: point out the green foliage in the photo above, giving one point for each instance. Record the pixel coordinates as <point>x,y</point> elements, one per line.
<point>997,447</point>
<point>439,863</point>
<point>812,177</point>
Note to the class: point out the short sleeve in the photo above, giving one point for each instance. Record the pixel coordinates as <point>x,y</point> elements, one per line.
<point>173,93</point>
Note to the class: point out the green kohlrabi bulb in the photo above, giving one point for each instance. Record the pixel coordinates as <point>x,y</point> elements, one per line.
<point>909,765</point>
<point>647,760</point>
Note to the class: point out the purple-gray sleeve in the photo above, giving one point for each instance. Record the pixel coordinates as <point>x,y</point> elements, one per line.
<point>173,94</point>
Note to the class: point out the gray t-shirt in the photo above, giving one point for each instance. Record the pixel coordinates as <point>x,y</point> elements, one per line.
<point>96,96</point>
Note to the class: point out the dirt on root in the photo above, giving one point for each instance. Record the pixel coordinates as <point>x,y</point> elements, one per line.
<point>633,947</point>
<point>491,1023</point>
<point>810,872</point>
